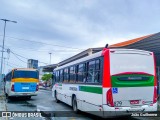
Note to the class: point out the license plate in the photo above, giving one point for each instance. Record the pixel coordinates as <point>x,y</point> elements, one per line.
<point>134,102</point>
<point>134,109</point>
<point>25,88</point>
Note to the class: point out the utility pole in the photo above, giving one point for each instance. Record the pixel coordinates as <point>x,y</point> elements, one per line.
<point>4,66</point>
<point>5,21</point>
<point>50,57</point>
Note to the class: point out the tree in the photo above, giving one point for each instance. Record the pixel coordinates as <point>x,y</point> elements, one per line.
<point>46,77</point>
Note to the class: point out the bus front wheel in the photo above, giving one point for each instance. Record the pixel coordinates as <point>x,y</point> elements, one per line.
<point>55,95</point>
<point>74,103</point>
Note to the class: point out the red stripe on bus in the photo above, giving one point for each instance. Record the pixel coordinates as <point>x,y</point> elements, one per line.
<point>106,68</point>
<point>130,73</point>
<point>155,76</point>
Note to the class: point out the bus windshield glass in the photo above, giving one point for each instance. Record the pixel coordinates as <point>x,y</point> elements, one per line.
<point>121,63</point>
<point>25,74</point>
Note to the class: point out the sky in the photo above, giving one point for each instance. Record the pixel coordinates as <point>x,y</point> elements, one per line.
<point>67,27</point>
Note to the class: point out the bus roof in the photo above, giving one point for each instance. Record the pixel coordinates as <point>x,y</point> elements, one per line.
<point>98,54</point>
<point>131,50</point>
<point>27,69</point>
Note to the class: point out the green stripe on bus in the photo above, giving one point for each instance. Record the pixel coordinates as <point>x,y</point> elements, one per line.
<point>91,89</point>
<point>132,83</point>
<point>59,84</point>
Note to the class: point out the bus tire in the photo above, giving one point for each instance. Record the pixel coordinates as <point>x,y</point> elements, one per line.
<point>6,95</point>
<point>74,105</point>
<point>55,95</point>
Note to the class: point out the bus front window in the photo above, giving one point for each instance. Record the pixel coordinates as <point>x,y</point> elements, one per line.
<point>25,74</point>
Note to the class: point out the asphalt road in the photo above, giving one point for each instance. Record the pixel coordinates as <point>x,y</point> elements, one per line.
<point>44,102</point>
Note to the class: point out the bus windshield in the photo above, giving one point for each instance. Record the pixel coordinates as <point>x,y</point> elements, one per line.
<point>25,74</point>
<point>121,63</point>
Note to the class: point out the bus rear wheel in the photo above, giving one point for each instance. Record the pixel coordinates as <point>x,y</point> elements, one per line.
<point>74,105</point>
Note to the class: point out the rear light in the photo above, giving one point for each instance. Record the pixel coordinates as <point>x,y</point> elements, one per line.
<point>12,88</point>
<point>37,87</point>
<point>109,98</point>
<point>155,95</point>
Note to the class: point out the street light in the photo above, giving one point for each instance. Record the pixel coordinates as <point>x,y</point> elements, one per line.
<point>5,20</point>
<point>50,57</point>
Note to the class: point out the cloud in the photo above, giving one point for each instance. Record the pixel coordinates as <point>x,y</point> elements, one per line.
<point>78,23</point>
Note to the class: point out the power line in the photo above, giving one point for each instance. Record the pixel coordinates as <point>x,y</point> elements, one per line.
<point>25,57</point>
<point>18,57</point>
<point>43,43</point>
<point>46,50</point>
<point>10,65</point>
<point>15,64</point>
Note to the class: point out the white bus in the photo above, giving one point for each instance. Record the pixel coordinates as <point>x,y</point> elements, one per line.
<point>113,81</point>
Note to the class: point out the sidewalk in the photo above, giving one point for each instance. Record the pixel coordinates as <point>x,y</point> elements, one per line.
<point>47,88</point>
<point>2,102</point>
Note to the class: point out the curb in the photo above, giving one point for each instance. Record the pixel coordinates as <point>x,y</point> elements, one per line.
<point>46,89</point>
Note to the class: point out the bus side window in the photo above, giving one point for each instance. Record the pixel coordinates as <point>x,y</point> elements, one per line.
<point>97,72</point>
<point>84,73</point>
<point>80,70</point>
<point>72,74</point>
<point>93,71</point>
<point>6,78</point>
<point>9,76</point>
<point>76,73</point>
<point>66,75</point>
<point>54,76</point>
<point>61,75</point>
<point>57,76</point>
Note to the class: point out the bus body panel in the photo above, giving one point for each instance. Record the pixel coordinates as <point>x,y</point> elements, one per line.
<point>132,79</point>
<point>23,84</point>
<point>128,80</point>
<point>126,95</point>
<point>94,98</point>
